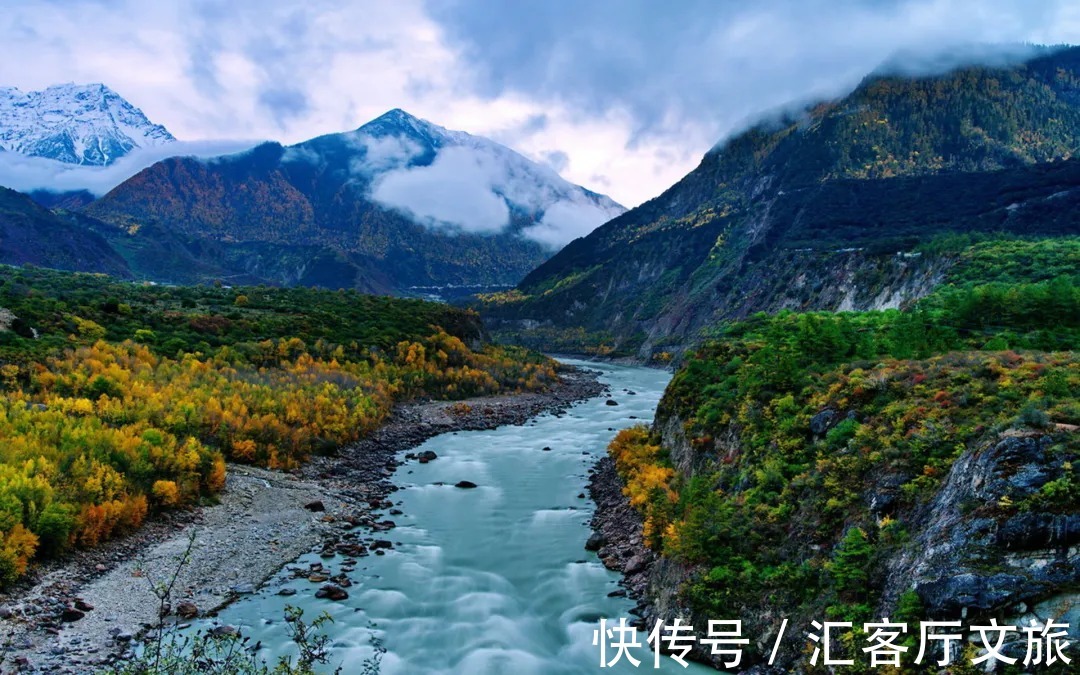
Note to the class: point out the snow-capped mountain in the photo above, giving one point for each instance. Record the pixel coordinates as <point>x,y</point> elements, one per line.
<point>446,178</point>
<point>396,204</point>
<point>78,124</point>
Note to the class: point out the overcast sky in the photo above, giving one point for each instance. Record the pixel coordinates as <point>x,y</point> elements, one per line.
<point>621,96</point>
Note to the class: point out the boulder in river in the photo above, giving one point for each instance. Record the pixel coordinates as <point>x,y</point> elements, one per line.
<point>332,592</point>
<point>595,541</point>
<point>611,401</point>
<point>224,632</point>
<point>465,484</point>
<point>427,456</point>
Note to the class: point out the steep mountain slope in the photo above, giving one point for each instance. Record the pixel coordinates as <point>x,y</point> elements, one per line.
<point>850,466</point>
<point>397,203</point>
<point>810,213</point>
<point>79,124</point>
<point>32,234</point>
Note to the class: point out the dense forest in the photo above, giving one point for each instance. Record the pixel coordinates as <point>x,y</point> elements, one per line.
<point>121,399</point>
<point>796,417</point>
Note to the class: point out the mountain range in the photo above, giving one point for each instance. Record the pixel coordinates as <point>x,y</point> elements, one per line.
<point>397,205</point>
<point>826,209</point>
<point>78,124</point>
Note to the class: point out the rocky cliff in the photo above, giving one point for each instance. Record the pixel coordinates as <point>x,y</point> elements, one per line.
<point>914,464</point>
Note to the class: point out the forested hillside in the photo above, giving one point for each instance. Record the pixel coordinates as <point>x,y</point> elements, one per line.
<point>855,465</point>
<point>313,214</point>
<point>824,210</point>
<point>121,399</point>
<point>32,234</point>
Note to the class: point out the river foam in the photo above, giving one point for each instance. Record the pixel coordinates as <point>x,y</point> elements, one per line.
<point>488,580</point>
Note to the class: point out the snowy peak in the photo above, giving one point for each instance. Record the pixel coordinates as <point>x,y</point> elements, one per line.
<point>451,179</point>
<point>397,122</point>
<point>78,124</point>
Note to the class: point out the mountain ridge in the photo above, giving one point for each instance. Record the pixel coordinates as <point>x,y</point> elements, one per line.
<point>653,278</point>
<point>77,124</point>
<point>397,203</point>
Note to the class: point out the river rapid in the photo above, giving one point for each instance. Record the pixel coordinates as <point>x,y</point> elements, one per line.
<point>488,580</point>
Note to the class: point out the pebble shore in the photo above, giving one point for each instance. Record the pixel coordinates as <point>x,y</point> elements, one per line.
<point>85,613</point>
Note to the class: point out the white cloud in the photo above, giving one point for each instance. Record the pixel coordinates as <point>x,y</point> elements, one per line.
<point>300,155</point>
<point>632,91</point>
<point>454,191</point>
<point>22,173</point>
<point>383,153</point>
<point>567,220</point>
<point>477,187</point>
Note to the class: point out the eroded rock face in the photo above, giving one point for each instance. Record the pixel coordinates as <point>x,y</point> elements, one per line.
<point>973,552</point>
<point>980,547</point>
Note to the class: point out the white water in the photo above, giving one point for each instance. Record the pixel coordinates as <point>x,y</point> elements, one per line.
<point>490,580</point>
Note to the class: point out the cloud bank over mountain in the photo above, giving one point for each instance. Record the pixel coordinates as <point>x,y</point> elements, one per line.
<point>618,95</point>
<point>25,174</point>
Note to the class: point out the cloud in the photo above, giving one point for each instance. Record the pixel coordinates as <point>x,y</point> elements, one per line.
<point>567,220</point>
<point>556,159</point>
<point>382,153</point>
<point>632,91</point>
<point>700,67</point>
<point>23,173</point>
<point>455,191</point>
<point>477,188</point>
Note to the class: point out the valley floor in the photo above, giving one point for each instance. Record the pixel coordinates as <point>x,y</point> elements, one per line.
<point>264,521</point>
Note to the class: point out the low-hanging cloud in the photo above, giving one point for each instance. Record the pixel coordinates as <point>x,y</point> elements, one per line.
<point>477,188</point>
<point>25,174</point>
<point>633,91</point>
<point>455,191</point>
<point>701,68</point>
<point>382,153</point>
<point>567,220</point>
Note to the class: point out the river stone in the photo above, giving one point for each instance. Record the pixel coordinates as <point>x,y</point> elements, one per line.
<point>595,541</point>
<point>465,484</point>
<point>332,592</point>
<point>187,609</point>
<point>611,401</point>
<point>315,506</point>
<point>636,564</point>
<point>71,614</point>
<point>224,632</point>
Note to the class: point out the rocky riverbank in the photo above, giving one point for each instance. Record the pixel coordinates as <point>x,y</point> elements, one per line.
<point>648,578</point>
<point>84,613</point>
<point>617,535</point>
